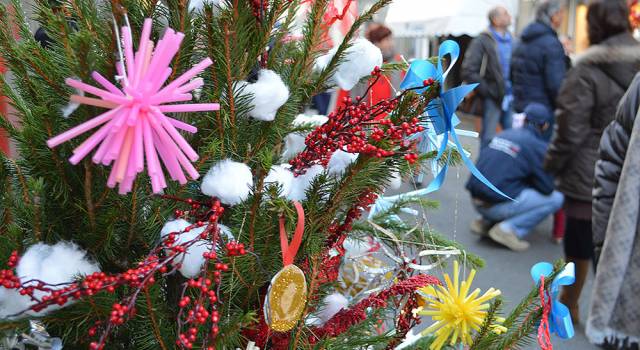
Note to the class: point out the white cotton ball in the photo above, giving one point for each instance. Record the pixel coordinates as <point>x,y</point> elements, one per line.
<point>57,264</point>
<point>396,181</point>
<point>280,174</point>
<point>198,5</point>
<point>359,61</point>
<point>71,106</point>
<point>229,181</point>
<point>175,226</point>
<point>333,303</point>
<point>313,120</point>
<point>293,145</point>
<point>192,260</point>
<point>294,142</point>
<point>11,302</point>
<point>269,94</point>
<point>301,183</point>
<point>339,162</point>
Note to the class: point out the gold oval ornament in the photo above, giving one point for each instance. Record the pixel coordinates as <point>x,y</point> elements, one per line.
<point>286,299</point>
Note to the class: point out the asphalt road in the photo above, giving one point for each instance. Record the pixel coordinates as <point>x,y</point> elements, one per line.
<point>504,270</point>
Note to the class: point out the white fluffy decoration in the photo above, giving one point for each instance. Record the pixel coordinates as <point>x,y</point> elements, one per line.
<point>269,93</point>
<point>198,5</point>
<point>396,181</point>
<point>339,162</point>
<point>359,61</point>
<point>59,263</point>
<point>71,106</point>
<point>301,183</point>
<point>294,142</point>
<point>280,174</point>
<point>332,304</point>
<point>192,260</point>
<point>230,181</point>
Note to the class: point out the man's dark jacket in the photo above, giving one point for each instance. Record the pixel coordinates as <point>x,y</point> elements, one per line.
<point>482,65</point>
<point>512,162</point>
<point>538,67</point>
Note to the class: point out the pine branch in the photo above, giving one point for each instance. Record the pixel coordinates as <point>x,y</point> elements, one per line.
<point>489,320</point>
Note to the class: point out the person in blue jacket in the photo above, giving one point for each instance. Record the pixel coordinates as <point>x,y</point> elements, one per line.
<point>513,163</point>
<point>539,62</point>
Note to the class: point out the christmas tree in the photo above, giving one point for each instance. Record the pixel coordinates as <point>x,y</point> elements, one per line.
<point>168,193</point>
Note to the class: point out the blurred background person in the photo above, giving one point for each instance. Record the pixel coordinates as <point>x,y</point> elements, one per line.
<point>488,62</point>
<point>614,315</point>
<point>513,163</point>
<point>586,105</point>
<point>539,62</point>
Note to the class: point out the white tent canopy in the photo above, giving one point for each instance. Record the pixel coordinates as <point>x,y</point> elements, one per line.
<point>411,18</point>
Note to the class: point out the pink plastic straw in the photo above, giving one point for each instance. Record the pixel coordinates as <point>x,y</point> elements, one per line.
<point>135,133</point>
<point>105,83</point>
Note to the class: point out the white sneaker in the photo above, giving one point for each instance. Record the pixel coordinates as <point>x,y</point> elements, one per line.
<point>508,239</point>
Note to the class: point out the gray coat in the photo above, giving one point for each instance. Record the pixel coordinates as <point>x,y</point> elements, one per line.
<point>614,314</point>
<point>482,65</point>
<point>613,150</point>
<point>586,105</point>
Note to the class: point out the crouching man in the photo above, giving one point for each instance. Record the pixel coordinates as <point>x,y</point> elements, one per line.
<point>513,163</point>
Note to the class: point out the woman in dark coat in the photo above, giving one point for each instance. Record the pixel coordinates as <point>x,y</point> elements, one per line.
<point>586,105</point>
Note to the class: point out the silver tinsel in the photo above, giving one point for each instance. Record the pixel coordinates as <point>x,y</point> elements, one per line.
<point>37,338</point>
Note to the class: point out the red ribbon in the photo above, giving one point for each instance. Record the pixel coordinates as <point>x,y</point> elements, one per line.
<point>544,336</point>
<point>289,251</point>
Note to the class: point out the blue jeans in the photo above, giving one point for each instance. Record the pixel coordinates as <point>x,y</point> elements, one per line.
<point>491,116</point>
<point>525,213</point>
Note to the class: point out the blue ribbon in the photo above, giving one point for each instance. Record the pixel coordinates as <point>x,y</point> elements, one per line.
<point>441,111</point>
<point>442,118</point>
<point>560,318</point>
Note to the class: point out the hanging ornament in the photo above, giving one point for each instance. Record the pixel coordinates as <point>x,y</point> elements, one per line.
<point>136,128</point>
<point>287,295</point>
<point>456,312</point>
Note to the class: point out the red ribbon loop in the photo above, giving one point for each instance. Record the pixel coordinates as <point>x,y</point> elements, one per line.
<point>289,251</point>
<point>544,336</point>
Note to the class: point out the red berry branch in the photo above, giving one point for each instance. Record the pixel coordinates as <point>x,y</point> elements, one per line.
<point>357,127</point>
<point>200,296</point>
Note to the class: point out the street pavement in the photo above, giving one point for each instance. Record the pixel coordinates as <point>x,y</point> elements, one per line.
<point>504,270</point>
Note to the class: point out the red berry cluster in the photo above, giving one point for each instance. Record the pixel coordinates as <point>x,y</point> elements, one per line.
<point>235,249</point>
<point>202,309</point>
<point>13,259</point>
<point>259,7</point>
<point>359,128</point>
<point>118,313</point>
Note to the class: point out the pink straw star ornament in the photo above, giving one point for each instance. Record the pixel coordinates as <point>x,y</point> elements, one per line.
<point>136,128</point>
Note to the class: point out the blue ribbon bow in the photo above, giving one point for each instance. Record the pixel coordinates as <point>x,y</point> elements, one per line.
<point>560,318</point>
<point>441,110</point>
<point>442,118</point>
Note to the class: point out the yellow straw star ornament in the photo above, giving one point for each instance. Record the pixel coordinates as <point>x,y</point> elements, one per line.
<point>457,314</point>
